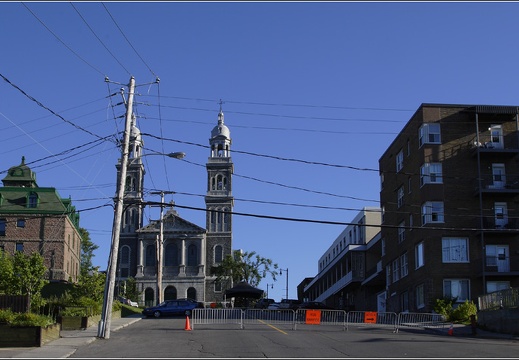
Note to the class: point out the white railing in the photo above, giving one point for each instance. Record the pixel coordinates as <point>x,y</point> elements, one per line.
<point>242,317</point>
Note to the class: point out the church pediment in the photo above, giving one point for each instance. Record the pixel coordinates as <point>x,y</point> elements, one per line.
<point>172,223</point>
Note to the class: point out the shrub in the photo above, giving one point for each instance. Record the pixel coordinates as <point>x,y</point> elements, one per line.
<point>6,316</point>
<point>463,311</point>
<point>25,319</point>
<point>443,307</point>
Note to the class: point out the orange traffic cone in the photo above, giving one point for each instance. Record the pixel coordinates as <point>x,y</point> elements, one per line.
<point>451,330</point>
<point>188,326</point>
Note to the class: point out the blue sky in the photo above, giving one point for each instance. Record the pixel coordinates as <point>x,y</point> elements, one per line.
<point>313,94</point>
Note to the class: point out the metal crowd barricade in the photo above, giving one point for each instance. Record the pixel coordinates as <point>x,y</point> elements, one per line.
<point>270,317</point>
<point>320,317</point>
<point>372,318</point>
<point>216,316</point>
<point>421,320</point>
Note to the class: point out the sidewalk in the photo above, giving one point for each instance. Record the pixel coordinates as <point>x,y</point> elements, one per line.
<point>460,330</point>
<point>68,343</point>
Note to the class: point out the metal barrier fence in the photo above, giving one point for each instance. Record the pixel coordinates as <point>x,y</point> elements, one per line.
<point>421,320</point>
<point>320,317</point>
<point>373,318</point>
<point>216,316</point>
<point>270,317</point>
<point>292,318</point>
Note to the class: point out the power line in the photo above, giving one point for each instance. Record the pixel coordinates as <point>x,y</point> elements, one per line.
<point>128,41</point>
<point>269,156</point>
<point>293,105</point>
<point>48,109</point>
<point>61,41</point>
<point>97,37</point>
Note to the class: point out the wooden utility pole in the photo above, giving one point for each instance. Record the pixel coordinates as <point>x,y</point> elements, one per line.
<point>106,314</point>
<point>160,238</point>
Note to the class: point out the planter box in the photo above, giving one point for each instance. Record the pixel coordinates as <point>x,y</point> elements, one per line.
<point>82,322</point>
<point>28,336</point>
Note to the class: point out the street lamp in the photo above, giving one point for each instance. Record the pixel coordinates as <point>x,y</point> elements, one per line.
<point>271,286</point>
<point>281,273</point>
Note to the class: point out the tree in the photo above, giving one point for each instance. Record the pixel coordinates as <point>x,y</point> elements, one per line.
<point>87,251</point>
<point>91,285</point>
<point>22,274</point>
<point>246,266</point>
<point>130,289</point>
<point>6,272</point>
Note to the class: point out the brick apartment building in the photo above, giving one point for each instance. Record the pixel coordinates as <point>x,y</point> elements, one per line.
<point>449,198</point>
<point>449,217</point>
<point>37,219</point>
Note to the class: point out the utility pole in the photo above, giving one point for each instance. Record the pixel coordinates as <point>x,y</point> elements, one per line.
<point>160,245</point>
<point>103,330</point>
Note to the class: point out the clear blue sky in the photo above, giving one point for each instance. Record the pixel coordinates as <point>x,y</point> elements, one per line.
<point>313,93</point>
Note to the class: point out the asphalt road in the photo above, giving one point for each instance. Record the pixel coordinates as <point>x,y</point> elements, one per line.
<point>167,338</point>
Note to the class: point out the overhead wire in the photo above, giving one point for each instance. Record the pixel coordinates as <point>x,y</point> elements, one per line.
<point>97,37</point>
<point>48,109</point>
<point>62,42</point>
<point>128,41</point>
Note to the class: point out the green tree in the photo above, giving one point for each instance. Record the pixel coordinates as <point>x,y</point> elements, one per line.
<point>6,272</point>
<point>87,251</point>
<point>246,266</point>
<point>130,289</point>
<point>22,274</point>
<point>91,285</point>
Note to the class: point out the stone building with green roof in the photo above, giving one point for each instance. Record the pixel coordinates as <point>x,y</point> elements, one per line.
<point>37,219</point>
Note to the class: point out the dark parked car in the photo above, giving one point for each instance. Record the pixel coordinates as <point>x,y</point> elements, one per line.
<point>171,307</point>
<point>315,305</point>
<point>292,304</point>
<point>263,303</point>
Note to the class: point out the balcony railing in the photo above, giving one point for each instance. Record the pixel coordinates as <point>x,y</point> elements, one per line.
<point>490,223</point>
<point>489,184</point>
<point>497,265</point>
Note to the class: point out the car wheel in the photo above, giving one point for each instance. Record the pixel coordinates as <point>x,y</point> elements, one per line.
<point>157,314</point>
<point>188,312</point>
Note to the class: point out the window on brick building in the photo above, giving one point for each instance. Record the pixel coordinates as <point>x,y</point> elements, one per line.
<point>20,223</point>
<point>19,247</point>
<point>429,133</point>
<point>420,296</point>
<point>3,223</point>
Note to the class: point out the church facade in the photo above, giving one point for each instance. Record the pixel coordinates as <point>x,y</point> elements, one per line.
<point>186,251</point>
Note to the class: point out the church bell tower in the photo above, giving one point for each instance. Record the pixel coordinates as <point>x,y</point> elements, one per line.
<point>219,203</point>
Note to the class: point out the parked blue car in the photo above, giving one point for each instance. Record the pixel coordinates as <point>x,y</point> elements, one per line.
<point>171,307</point>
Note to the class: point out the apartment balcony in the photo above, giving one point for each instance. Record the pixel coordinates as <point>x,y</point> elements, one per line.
<point>504,226</point>
<point>490,185</point>
<point>497,266</point>
<point>507,147</point>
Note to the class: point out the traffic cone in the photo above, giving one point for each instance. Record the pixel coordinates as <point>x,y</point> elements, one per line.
<point>188,326</point>
<point>451,330</point>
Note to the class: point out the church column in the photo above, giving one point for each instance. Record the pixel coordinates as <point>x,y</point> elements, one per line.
<point>140,267</point>
<point>183,257</point>
<point>203,256</point>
